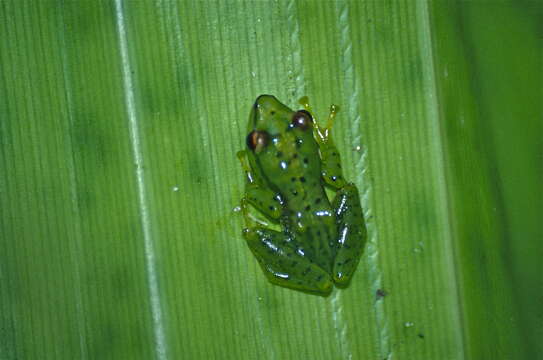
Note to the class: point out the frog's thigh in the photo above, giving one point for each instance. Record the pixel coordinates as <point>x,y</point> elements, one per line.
<point>352,230</point>
<point>282,265</point>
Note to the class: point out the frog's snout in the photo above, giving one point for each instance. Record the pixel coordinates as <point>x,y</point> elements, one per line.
<point>264,98</point>
<point>265,101</point>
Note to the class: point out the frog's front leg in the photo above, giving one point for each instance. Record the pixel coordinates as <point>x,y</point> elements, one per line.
<point>282,263</point>
<point>330,158</point>
<point>352,233</point>
<point>257,194</point>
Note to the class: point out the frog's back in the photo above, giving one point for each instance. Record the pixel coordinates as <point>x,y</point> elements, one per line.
<point>291,165</point>
<point>306,205</point>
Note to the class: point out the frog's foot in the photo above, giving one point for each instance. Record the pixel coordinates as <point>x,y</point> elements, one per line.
<point>322,133</point>
<point>352,230</point>
<point>283,265</point>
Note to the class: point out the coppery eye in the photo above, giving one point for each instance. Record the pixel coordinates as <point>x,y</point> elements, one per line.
<point>256,140</point>
<point>302,119</point>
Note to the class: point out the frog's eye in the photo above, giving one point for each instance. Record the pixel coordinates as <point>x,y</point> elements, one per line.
<point>302,119</point>
<point>256,140</point>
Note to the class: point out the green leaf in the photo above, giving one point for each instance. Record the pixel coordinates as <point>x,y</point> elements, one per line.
<point>119,125</point>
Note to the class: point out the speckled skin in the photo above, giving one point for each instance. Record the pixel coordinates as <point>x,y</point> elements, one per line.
<point>287,167</point>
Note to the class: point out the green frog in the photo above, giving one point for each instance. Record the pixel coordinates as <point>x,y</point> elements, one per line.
<point>288,163</point>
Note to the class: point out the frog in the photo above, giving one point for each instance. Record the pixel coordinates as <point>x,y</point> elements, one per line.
<point>304,240</point>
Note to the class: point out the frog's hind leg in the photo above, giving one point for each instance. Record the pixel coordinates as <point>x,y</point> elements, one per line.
<point>352,233</point>
<point>283,265</point>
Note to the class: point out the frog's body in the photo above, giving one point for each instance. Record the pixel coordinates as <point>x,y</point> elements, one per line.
<point>288,161</point>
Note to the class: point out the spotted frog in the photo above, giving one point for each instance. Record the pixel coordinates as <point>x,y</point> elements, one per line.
<point>304,241</point>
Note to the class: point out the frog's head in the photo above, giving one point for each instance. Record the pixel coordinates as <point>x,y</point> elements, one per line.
<point>270,121</point>
<point>269,115</point>
<point>281,145</point>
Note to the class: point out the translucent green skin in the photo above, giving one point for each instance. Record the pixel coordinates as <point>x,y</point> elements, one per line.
<point>321,242</point>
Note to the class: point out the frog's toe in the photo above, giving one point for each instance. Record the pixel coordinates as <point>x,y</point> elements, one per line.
<point>325,287</point>
<point>346,263</point>
<point>341,278</point>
